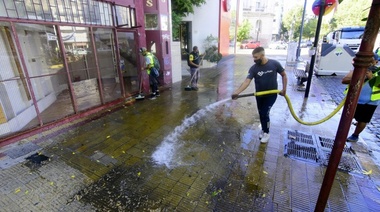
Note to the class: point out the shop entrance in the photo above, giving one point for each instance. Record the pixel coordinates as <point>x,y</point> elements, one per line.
<point>185,39</point>
<point>128,61</point>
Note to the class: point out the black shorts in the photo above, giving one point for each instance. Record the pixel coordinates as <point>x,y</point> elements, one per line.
<point>364,113</point>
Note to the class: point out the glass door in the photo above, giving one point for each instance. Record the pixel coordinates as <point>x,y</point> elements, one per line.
<point>128,61</point>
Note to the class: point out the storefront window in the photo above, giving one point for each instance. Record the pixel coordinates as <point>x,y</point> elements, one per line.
<point>125,17</point>
<point>128,61</point>
<point>79,11</point>
<point>151,22</point>
<point>16,109</point>
<point>105,50</point>
<point>44,63</point>
<point>82,66</point>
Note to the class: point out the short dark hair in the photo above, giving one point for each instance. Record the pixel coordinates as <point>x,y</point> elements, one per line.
<point>258,50</point>
<point>195,48</point>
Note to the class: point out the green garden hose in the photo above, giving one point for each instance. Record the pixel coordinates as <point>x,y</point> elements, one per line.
<point>262,93</point>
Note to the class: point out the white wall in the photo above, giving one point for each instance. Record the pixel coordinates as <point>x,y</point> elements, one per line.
<point>176,62</point>
<point>205,21</point>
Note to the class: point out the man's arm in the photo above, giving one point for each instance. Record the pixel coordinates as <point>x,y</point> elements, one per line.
<point>147,65</point>
<point>347,79</point>
<point>242,87</point>
<point>284,83</point>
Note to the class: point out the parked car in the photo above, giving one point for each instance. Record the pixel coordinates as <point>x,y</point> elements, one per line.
<point>303,44</point>
<point>278,45</point>
<point>250,44</point>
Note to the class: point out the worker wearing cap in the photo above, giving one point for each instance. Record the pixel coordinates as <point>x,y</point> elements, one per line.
<point>368,100</point>
<point>149,64</point>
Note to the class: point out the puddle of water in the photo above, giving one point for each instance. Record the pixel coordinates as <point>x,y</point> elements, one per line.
<point>165,153</point>
<point>246,138</point>
<point>36,160</point>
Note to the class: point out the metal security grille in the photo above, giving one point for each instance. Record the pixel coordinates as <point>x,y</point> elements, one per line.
<point>80,11</point>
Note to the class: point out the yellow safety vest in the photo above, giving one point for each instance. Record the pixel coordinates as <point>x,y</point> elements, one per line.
<point>375,89</point>
<point>150,56</point>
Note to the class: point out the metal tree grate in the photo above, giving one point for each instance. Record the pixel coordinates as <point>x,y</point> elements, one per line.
<point>347,163</point>
<point>328,143</point>
<point>300,137</point>
<point>300,151</point>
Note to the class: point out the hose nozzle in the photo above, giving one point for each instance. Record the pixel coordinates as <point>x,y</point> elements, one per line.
<point>246,95</point>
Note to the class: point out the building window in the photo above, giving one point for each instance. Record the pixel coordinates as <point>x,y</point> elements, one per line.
<point>125,17</point>
<point>247,5</point>
<point>84,11</point>
<point>259,7</point>
<point>151,22</point>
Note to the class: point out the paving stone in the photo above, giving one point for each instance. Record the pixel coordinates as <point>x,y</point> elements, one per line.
<point>186,205</point>
<point>22,150</point>
<point>180,189</point>
<point>217,172</point>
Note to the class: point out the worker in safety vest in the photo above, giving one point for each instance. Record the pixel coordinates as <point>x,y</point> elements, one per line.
<point>194,63</point>
<point>149,66</point>
<point>368,100</point>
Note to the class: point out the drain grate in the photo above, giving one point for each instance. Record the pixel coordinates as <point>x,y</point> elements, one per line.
<point>300,137</point>
<point>302,152</point>
<point>328,143</point>
<point>316,148</point>
<point>347,163</point>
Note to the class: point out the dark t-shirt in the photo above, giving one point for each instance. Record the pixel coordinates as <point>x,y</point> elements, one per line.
<point>194,57</point>
<point>265,75</point>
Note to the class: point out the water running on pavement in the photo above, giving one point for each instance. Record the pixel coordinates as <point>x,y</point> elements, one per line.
<point>165,152</point>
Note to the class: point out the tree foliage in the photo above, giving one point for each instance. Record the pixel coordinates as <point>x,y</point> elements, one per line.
<point>351,13</point>
<point>180,9</point>
<point>348,13</point>
<point>292,21</point>
<point>184,7</point>
<point>244,31</point>
<point>309,28</point>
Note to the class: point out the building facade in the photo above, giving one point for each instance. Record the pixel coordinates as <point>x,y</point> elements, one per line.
<point>61,59</point>
<point>211,20</point>
<point>265,17</point>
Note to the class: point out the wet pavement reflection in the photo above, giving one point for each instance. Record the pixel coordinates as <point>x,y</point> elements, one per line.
<point>199,151</point>
<point>212,161</point>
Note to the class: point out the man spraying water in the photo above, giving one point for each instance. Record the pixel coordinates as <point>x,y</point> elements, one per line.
<point>264,71</point>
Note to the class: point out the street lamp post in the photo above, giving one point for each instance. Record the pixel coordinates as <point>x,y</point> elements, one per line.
<point>301,32</point>
<point>316,39</point>
<point>361,63</point>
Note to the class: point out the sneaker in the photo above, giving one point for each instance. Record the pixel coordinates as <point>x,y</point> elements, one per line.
<point>265,138</point>
<point>152,96</point>
<point>157,93</point>
<point>261,134</point>
<point>353,138</point>
<point>194,88</point>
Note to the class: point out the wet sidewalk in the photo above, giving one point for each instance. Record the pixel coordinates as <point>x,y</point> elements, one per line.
<point>191,151</point>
